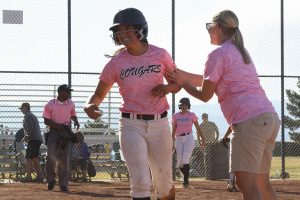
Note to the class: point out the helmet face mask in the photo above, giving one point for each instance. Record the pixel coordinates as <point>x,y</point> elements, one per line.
<point>139,34</point>
<point>132,17</point>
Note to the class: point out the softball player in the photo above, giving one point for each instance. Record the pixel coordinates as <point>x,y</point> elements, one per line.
<point>145,134</point>
<point>182,132</point>
<point>230,73</point>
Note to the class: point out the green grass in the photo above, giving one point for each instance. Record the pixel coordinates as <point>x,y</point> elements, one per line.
<point>292,166</point>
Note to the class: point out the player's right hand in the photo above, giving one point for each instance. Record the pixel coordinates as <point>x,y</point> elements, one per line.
<point>92,111</point>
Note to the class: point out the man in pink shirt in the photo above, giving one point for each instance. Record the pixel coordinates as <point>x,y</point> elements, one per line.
<point>57,115</point>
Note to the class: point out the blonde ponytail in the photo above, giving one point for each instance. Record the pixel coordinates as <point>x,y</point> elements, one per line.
<point>239,43</point>
<point>229,23</point>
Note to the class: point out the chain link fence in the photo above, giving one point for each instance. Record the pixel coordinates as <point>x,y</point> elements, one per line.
<point>44,45</point>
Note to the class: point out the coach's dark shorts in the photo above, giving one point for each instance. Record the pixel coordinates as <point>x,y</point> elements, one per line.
<point>33,149</point>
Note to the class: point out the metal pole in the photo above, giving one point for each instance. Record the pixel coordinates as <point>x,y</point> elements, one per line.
<point>282,93</point>
<point>173,95</point>
<point>69,45</point>
<point>173,48</point>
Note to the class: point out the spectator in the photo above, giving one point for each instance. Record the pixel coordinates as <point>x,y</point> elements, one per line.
<point>33,136</point>
<point>209,130</point>
<point>58,114</point>
<point>107,148</point>
<point>80,155</point>
<point>211,134</point>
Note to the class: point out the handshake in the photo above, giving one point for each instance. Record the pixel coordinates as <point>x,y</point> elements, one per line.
<point>224,142</point>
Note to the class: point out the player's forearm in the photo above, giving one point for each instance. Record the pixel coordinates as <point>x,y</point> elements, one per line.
<point>101,91</point>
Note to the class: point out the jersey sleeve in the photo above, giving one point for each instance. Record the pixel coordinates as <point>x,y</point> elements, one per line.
<point>169,62</point>
<point>108,74</point>
<point>73,111</point>
<point>47,111</point>
<point>214,66</point>
<point>194,118</point>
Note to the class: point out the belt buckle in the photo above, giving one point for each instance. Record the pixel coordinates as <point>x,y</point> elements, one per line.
<point>141,116</point>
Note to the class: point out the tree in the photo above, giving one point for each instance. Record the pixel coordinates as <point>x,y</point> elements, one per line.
<point>293,107</point>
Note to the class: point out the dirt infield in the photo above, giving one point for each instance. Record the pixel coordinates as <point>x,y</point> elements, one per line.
<point>212,190</point>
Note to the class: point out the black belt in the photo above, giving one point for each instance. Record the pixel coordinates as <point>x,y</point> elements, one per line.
<point>144,117</point>
<point>184,134</point>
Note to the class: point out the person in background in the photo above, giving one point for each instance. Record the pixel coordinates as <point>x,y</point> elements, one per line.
<point>57,115</point>
<point>34,139</point>
<point>231,75</point>
<point>107,148</point>
<point>182,133</point>
<point>211,135</point>
<point>231,185</point>
<point>145,136</point>
<point>80,155</point>
<point>209,129</point>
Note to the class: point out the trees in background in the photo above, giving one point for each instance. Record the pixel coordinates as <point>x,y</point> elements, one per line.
<point>292,121</point>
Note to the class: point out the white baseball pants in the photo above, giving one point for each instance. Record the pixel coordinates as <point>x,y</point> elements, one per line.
<point>147,149</point>
<point>184,149</point>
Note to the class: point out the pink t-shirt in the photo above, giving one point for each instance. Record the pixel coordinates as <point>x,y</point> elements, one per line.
<point>59,112</point>
<point>136,76</point>
<point>184,122</point>
<point>238,87</point>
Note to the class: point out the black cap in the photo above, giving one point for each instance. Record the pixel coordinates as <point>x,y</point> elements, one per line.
<point>25,105</point>
<point>64,88</point>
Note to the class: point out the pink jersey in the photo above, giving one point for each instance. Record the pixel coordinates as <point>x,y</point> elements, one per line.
<point>238,87</point>
<point>59,112</point>
<point>184,122</point>
<point>136,76</point>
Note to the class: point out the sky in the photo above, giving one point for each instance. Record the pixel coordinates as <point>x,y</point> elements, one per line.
<point>40,43</point>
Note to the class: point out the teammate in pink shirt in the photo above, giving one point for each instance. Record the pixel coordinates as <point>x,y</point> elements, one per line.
<point>145,136</point>
<point>231,75</point>
<point>182,133</point>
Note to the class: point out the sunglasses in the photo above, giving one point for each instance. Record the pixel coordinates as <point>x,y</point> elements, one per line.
<point>210,24</point>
